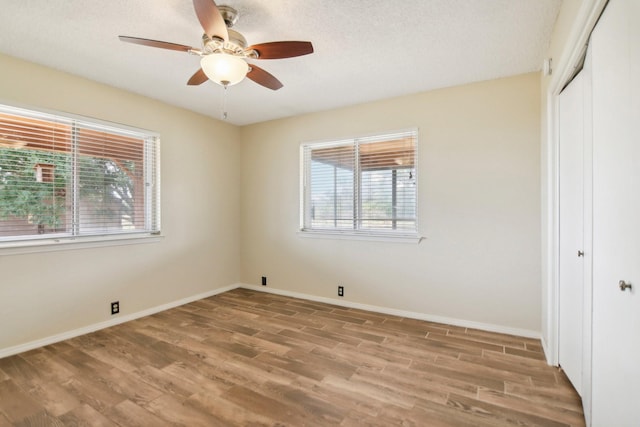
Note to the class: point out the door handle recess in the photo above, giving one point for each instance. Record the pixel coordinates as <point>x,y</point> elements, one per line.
<point>624,285</point>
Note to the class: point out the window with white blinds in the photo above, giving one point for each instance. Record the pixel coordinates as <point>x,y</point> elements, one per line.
<point>63,176</point>
<point>361,185</point>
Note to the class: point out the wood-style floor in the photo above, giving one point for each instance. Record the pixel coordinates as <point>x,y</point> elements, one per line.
<point>246,358</point>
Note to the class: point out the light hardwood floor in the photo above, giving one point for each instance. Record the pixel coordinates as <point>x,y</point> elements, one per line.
<point>246,358</point>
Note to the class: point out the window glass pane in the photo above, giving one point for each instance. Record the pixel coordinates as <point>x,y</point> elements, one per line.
<point>388,199</point>
<point>110,182</point>
<point>33,192</point>
<point>331,196</point>
<point>34,176</point>
<point>106,196</point>
<point>376,208</point>
<point>387,187</point>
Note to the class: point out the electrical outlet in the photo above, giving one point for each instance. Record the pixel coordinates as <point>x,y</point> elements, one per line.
<point>115,307</point>
<point>340,291</point>
<point>264,280</point>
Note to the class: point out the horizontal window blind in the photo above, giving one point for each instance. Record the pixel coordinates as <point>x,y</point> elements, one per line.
<point>65,176</point>
<point>361,185</point>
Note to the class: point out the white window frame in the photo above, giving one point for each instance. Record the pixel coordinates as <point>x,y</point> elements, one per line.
<point>397,236</point>
<point>74,239</point>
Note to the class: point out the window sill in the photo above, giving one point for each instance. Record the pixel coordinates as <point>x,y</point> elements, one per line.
<point>342,235</point>
<point>69,243</point>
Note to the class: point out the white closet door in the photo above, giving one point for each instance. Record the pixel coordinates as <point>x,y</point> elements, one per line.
<point>616,216</point>
<point>571,317</point>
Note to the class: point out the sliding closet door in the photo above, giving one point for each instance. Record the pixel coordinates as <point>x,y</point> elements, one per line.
<point>571,155</point>
<point>616,216</point>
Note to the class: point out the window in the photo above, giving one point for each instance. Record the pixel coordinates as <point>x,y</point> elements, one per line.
<point>66,177</point>
<point>361,186</point>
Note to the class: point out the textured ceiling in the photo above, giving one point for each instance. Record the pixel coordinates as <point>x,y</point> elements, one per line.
<point>365,50</point>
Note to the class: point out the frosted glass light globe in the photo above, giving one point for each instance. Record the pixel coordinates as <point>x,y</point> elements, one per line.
<point>224,69</point>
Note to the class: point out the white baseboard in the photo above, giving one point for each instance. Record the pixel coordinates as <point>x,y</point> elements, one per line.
<point>402,313</point>
<point>10,351</point>
<point>21,348</point>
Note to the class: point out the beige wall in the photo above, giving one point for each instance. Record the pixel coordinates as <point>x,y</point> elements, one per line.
<point>46,294</point>
<point>479,204</point>
<point>479,208</point>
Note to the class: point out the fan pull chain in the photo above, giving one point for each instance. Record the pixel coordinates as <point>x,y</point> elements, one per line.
<point>224,103</point>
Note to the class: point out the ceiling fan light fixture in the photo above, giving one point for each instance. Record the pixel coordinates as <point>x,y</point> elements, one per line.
<point>224,51</point>
<point>224,69</point>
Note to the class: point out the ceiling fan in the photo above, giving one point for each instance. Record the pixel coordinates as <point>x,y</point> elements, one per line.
<point>224,51</point>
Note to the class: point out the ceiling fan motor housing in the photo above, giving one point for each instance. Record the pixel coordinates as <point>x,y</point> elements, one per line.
<point>235,46</point>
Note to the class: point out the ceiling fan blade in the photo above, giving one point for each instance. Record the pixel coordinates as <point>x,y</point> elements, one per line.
<point>211,19</point>
<point>279,50</point>
<point>198,78</point>
<point>263,78</point>
<point>156,43</point>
